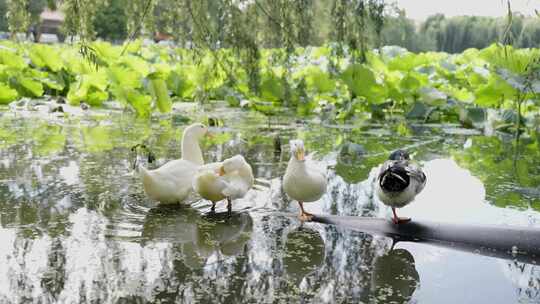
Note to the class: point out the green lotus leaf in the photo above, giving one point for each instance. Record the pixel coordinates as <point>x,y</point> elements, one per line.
<point>45,56</point>
<point>494,92</point>
<point>361,81</point>
<point>271,87</point>
<point>158,88</point>
<point>7,94</point>
<point>319,81</point>
<point>11,59</point>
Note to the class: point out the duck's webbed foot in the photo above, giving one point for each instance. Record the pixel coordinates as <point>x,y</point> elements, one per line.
<point>304,216</point>
<point>399,220</point>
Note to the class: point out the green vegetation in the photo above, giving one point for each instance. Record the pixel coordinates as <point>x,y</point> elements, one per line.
<point>426,86</point>
<point>306,22</point>
<point>456,34</point>
<point>268,57</point>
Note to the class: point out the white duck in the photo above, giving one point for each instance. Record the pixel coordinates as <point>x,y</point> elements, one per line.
<point>398,182</point>
<point>230,179</point>
<point>171,183</point>
<point>303,181</point>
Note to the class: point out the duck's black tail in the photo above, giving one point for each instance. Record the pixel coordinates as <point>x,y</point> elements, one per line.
<point>395,178</point>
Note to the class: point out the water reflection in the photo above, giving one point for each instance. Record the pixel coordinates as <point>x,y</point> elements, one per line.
<point>304,253</point>
<point>206,235</point>
<point>394,277</point>
<point>509,171</point>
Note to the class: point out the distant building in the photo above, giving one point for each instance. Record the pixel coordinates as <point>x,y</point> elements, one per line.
<point>50,23</point>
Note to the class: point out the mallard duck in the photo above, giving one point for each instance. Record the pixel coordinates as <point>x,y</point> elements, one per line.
<point>172,182</point>
<point>303,181</point>
<point>230,179</point>
<point>398,182</point>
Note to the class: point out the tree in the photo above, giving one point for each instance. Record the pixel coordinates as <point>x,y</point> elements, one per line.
<point>18,16</point>
<point>3,19</point>
<point>530,36</point>
<point>400,30</point>
<point>110,22</point>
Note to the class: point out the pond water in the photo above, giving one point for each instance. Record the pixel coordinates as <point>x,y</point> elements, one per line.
<point>76,227</point>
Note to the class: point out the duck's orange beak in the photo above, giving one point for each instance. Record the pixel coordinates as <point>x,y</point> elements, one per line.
<point>209,135</point>
<point>300,155</point>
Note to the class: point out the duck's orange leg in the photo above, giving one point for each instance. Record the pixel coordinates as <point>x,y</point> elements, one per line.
<point>304,216</point>
<point>399,220</point>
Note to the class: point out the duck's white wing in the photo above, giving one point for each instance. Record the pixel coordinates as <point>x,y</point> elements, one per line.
<point>209,185</point>
<point>315,164</point>
<point>170,182</point>
<point>237,185</point>
<point>416,173</point>
<point>214,167</point>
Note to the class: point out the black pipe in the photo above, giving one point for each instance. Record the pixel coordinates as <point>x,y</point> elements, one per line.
<point>514,243</point>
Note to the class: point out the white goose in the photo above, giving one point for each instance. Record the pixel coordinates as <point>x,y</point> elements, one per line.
<point>303,181</point>
<point>398,182</point>
<point>230,179</point>
<point>171,183</point>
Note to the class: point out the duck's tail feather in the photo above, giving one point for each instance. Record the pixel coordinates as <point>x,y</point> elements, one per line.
<point>394,178</point>
<point>232,191</point>
<point>144,175</point>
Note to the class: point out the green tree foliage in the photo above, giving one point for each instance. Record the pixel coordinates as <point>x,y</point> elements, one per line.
<point>354,24</point>
<point>18,16</point>
<point>139,16</point>
<point>3,19</point>
<point>22,15</point>
<point>401,31</point>
<point>110,21</point>
<point>456,34</point>
<point>530,36</point>
<point>80,15</point>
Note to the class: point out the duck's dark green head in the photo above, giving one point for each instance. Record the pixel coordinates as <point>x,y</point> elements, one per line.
<point>399,155</point>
